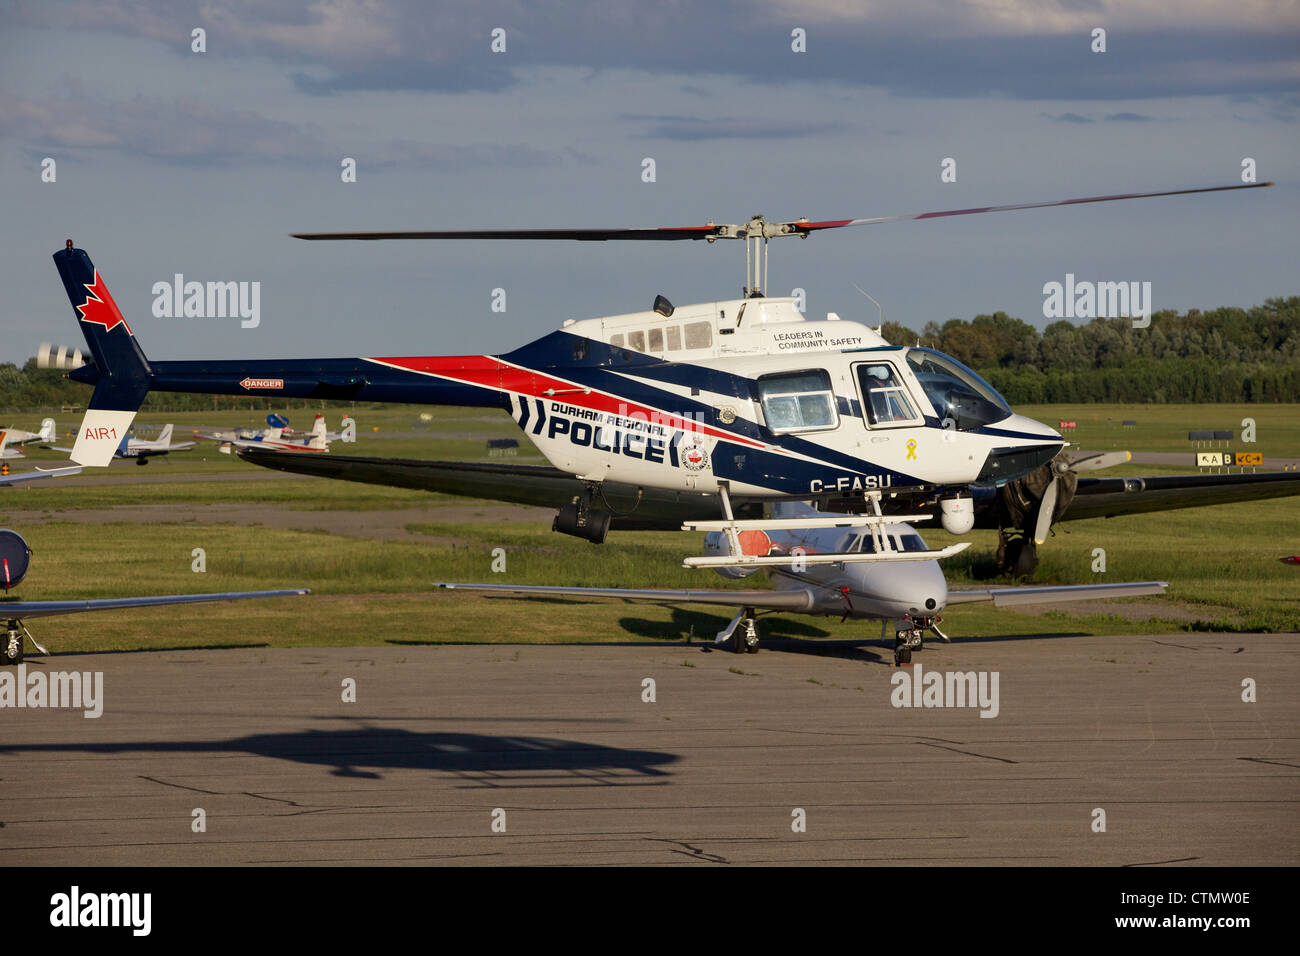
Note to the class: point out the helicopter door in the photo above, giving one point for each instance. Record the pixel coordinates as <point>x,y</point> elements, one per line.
<point>885,401</point>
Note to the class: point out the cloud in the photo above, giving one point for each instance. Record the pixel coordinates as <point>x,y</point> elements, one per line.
<point>1066,118</point>
<point>1129,118</point>
<point>1026,49</point>
<point>440,157</point>
<point>694,128</point>
<point>183,131</point>
<point>191,132</point>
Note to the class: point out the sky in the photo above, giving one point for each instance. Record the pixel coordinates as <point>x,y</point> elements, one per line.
<point>167,160</point>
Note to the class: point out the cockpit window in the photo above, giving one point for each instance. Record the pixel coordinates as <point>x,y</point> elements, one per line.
<point>898,541</point>
<point>956,392</point>
<point>884,399</point>
<point>798,401</point>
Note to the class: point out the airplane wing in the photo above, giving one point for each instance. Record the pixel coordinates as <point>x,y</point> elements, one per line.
<point>798,599</point>
<point>40,473</point>
<point>1106,497</point>
<point>1012,597</point>
<point>16,610</point>
<point>540,485</point>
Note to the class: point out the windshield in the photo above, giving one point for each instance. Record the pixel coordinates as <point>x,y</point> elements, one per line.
<point>955,391</point>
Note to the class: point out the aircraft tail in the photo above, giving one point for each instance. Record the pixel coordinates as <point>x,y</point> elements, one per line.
<point>121,372</point>
<point>317,434</point>
<point>47,430</point>
<point>165,437</point>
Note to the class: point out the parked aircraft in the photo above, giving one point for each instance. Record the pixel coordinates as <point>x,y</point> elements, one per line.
<point>17,436</point>
<point>896,580</point>
<point>272,439</point>
<point>142,449</point>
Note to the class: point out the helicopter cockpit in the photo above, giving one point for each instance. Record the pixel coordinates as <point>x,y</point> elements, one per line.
<point>956,392</point>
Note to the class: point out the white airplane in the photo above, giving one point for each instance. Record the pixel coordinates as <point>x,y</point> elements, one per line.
<point>895,577</point>
<point>15,558</point>
<point>274,440</point>
<point>142,449</point>
<point>277,424</point>
<point>19,437</point>
<point>7,453</point>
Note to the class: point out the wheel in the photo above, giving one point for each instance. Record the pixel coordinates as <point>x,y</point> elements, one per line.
<point>744,639</point>
<point>902,655</point>
<point>13,649</point>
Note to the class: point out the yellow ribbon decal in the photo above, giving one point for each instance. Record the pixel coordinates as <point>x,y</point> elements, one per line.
<point>911,449</point>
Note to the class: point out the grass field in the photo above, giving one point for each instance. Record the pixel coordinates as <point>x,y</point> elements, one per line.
<point>375,588</point>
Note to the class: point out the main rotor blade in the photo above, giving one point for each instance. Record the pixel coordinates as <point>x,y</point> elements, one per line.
<point>665,234</point>
<point>713,231</point>
<point>805,227</point>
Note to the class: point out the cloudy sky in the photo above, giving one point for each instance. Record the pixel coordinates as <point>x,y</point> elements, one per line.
<point>171,161</point>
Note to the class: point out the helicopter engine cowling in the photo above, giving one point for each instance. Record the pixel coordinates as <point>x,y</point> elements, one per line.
<point>14,558</point>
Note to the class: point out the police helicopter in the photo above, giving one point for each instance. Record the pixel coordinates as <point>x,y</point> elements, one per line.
<point>703,411</point>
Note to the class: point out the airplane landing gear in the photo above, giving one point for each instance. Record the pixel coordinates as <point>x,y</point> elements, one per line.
<point>744,640</point>
<point>741,635</point>
<point>12,652</point>
<point>906,641</point>
<point>1017,554</point>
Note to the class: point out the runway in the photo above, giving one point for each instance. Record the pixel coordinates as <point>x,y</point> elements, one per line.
<point>1152,730</point>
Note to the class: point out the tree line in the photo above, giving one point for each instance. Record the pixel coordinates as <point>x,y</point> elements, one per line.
<point>1223,355</point>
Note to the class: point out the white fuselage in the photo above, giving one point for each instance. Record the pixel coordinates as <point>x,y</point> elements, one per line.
<point>749,393</point>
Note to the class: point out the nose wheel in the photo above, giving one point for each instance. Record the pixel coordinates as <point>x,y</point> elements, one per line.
<point>906,641</point>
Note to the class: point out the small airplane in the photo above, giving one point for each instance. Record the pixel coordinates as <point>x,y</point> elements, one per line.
<point>142,449</point>
<point>16,436</point>
<point>7,453</point>
<point>741,399</point>
<point>316,441</point>
<point>896,580</point>
<point>15,559</point>
<point>273,421</point>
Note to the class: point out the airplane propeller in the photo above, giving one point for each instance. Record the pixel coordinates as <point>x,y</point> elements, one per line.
<point>1060,467</point>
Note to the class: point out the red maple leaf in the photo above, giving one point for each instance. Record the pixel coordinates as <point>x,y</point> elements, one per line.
<point>100,308</point>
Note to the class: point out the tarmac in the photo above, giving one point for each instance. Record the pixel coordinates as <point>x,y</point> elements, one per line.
<point>553,754</point>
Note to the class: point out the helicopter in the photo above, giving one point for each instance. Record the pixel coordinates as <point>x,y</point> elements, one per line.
<point>716,407</point>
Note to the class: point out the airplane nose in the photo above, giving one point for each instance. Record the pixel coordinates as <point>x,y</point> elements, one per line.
<point>925,592</point>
